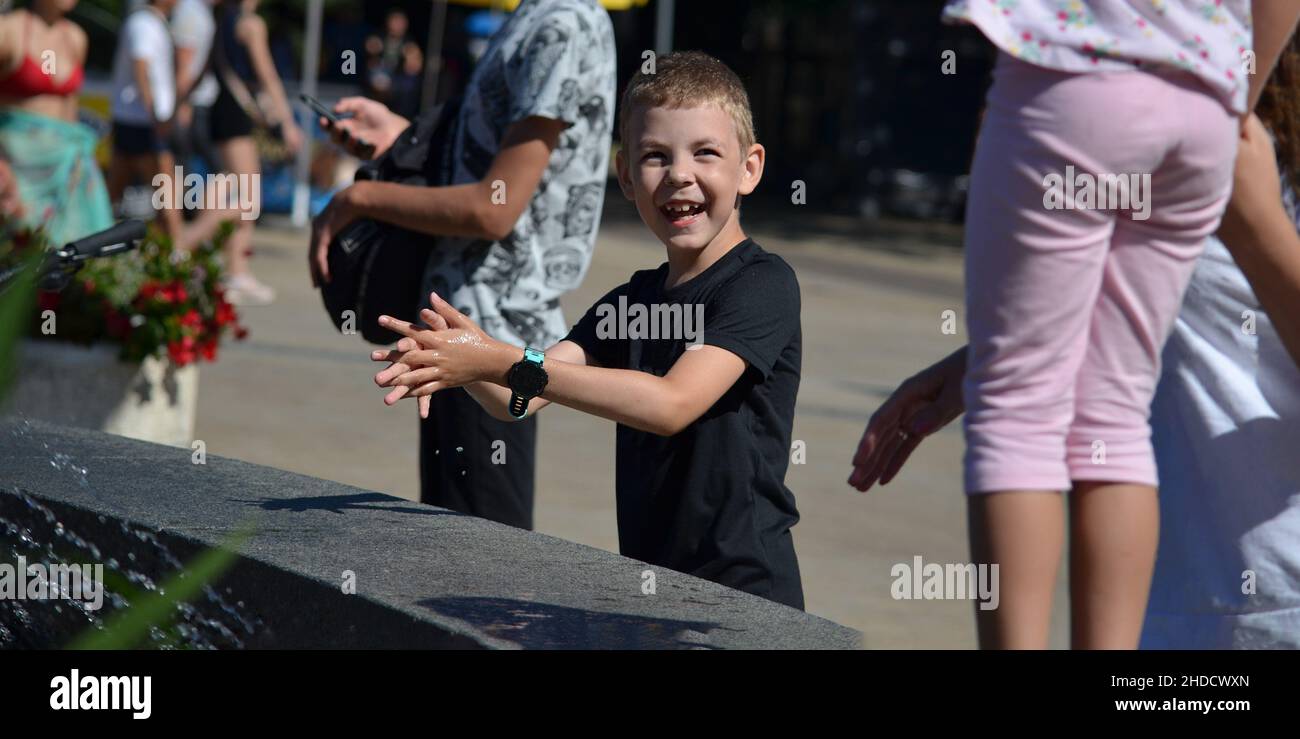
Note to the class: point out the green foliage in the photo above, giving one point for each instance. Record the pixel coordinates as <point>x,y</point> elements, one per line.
<point>21,251</point>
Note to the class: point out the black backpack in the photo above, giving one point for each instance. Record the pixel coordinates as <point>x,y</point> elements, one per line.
<point>376,268</point>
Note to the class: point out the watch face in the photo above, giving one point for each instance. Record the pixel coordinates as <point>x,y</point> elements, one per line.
<point>527,379</point>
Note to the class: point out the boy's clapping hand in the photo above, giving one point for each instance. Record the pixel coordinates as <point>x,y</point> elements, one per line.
<point>452,352</point>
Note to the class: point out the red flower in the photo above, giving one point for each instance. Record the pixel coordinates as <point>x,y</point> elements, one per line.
<point>148,290</point>
<point>179,353</point>
<point>241,333</point>
<point>209,350</point>
<point>192,318</point>
<point>173,293</point>
<point>225,313</point>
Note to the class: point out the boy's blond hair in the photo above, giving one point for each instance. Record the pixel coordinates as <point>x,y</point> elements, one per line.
<point>687,79</point>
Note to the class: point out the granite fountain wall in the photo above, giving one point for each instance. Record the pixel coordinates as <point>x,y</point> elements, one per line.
<point>325,565</point>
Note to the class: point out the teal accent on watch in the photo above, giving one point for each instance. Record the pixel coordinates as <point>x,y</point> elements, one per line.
<point>527,380</point>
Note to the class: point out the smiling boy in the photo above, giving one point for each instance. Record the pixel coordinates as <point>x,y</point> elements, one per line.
<point>703,427</point>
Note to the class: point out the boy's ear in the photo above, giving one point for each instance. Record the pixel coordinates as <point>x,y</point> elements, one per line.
<point>624,177</point>
<point>753,164</point>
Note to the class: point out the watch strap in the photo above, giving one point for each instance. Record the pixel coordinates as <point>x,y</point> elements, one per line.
<point>519,404</point>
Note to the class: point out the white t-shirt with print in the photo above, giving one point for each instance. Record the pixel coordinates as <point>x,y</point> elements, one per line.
<point>145,36</point>
<point>193,28</point>
<point>553,59</point>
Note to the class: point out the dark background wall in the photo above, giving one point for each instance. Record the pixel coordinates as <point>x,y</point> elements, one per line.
<point>848,95</point>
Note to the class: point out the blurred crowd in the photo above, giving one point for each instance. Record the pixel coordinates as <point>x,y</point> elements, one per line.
<point>196,88</point>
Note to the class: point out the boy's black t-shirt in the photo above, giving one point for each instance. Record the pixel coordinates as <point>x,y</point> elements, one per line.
<point>711,500</point>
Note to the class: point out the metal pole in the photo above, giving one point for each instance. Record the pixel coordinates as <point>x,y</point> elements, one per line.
<point>664,26</point>
<point>433,58</point>
<point>302,167</point>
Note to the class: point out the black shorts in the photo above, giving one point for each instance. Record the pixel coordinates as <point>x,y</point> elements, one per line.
<point>196,140</point>
<point>473,463</point>
<point>229,121</point>
<point>135,140</point>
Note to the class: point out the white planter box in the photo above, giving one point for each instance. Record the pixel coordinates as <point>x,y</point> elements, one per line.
<point>89,387</point>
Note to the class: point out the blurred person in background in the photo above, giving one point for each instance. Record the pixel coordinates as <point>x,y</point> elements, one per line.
<point>250,94</point>
<point>144,102</point>
<point>406,82</point>
<point>386,57</point>
<point>50,155</point>
<point>193,29</point>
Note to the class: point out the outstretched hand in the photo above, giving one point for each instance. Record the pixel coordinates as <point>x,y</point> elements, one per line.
<point>923,404</point>
<point>404,346</point>
<point>453,351</point>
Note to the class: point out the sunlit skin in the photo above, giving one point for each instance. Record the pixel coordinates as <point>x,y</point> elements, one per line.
<point>677,158</point>
<point>51,31</point>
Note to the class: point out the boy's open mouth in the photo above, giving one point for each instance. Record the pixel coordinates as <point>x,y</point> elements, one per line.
<point>681,213</point>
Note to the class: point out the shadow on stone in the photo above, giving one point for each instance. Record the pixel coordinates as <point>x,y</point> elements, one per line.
<point>341,503</point>
<point>534,625</point>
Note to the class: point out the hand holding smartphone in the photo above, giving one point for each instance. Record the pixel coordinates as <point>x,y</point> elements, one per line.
<point>360,147</point>
<point>321,110</point>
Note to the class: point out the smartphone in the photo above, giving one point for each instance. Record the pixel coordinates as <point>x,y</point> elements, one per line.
<point>321,110</point>
<point>364,148</point>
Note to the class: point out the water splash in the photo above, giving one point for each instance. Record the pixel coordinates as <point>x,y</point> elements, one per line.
<point>36,533</point>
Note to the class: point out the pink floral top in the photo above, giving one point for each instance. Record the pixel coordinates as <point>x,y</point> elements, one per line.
<point>1209,38</point>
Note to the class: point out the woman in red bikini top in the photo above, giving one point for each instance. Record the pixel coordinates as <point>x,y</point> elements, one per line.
<point>33,41</point>
<point>50,153</point>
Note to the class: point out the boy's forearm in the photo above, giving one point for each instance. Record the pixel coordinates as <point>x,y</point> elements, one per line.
<point>457,210</point>
<point>633,398</point>
<point>1273,23</point>
<point>494,399</point>
<point>637,399</point>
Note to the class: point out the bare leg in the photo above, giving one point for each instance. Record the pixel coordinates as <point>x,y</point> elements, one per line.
<point>204,227</point>
<point>121,171</point>
<point>1022,532</point>
<point>1114,529</point>
<point>240,158</point>
<point>164,163</point>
